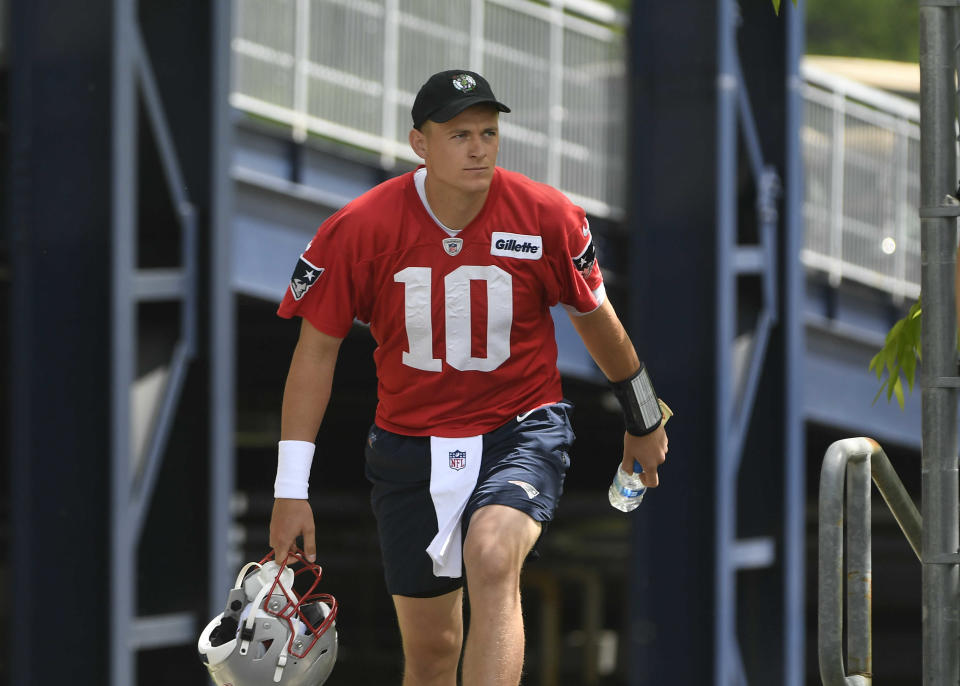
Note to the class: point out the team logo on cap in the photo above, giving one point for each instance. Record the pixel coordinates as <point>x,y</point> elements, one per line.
<point>464,83</point>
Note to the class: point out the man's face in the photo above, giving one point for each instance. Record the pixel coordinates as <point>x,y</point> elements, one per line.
<point>461,153</point>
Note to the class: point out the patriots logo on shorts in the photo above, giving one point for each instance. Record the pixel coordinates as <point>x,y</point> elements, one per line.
<point>584,261</point>
<point>304,276</point>
<point>458,459</point>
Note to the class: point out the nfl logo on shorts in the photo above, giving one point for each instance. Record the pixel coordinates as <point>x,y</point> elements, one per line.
<point>458,459</point>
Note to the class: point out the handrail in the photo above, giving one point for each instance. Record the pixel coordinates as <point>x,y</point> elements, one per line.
<point>853,461</point>
<point>353,76</point>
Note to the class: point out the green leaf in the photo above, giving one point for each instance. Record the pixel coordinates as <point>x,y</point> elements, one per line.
<point>910,369</point>
<point>879,393</point>
<point>892,356</point>
<point>894,333</point>
<point>899,356</point>
<point>776,5</point>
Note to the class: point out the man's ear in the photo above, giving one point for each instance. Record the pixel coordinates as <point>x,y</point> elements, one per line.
<point>418,141</point>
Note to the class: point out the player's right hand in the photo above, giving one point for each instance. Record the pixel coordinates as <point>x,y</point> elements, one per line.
<point>649,450</point>
<point>292,518</point>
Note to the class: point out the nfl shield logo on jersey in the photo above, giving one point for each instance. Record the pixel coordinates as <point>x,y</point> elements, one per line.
<point>458,459</point>
<point>452,246</point>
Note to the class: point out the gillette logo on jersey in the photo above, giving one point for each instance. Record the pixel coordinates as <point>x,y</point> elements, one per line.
<point>463,328</point>
<point>516,245</point>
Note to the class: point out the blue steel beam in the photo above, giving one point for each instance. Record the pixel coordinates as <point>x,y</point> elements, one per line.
<point>736,397</point>
<point>794,473</point>
<point>124,127</point>
<point>222,346</point>
<point>131,492</point>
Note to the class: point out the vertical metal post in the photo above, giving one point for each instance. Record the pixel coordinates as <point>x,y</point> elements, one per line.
<point>133,484</point>
<point>901,213</point>
<point>830,560</point>
<point>391,55</point>
<point>56,438</point>
<point>301,54</point>
<point>124,211</point>
<point>555,100</point>
<point>955,40</point>
<point>792,321</point>
<point>858,459</point>
<point>941,659</point>
<point>859,577</point>
<point>222,314</point>
<point>477,47</point>
<point>836,188</point>
<point>725,666</point>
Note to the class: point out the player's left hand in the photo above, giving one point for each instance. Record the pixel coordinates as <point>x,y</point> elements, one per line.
<point>650,451</point>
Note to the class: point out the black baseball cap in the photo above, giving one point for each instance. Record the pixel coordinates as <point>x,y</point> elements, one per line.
<point>448,93</point>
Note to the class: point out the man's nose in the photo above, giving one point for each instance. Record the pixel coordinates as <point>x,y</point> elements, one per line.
<point>476,148</point>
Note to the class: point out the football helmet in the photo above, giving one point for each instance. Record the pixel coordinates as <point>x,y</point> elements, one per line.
<point>267,633</point>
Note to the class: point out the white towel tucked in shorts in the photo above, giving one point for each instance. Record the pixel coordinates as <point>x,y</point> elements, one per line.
<point>454,469</point>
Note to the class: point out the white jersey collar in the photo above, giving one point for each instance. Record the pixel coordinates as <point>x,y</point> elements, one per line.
<point>420,180</point>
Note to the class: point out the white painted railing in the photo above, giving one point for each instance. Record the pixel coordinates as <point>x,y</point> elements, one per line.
<point>861,150</point>
<point>349,70</point>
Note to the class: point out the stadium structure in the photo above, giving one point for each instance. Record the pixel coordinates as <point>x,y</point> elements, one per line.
<point>758,223</point>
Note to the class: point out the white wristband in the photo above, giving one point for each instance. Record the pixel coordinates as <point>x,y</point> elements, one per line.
<point>293,469</point>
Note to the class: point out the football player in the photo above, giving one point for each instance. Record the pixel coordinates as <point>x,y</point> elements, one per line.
<point>455,267</point>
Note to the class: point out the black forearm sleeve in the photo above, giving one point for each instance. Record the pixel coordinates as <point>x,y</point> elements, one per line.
<point>641,411</point>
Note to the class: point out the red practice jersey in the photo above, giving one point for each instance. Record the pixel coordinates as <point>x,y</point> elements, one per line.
<point>465,338</point>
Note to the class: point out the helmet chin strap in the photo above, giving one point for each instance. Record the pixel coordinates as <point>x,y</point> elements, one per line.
<point>243,573</point>
<point>245,642</point>
<point>233,653</point>
<point>281,663</point>
<point>252,617</point>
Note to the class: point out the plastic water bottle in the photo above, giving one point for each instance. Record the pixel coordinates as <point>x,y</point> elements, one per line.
<point>626,491</point>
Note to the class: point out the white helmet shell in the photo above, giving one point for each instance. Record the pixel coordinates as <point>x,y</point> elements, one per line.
<point>267,634</point>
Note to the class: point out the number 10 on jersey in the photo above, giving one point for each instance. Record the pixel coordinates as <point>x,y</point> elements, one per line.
<point>417,302</point>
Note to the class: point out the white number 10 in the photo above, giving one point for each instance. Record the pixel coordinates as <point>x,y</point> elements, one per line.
<point>417,298</point>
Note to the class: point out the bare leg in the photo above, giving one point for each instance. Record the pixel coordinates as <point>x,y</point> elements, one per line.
<point>497,543</point>
<point>432,633</point>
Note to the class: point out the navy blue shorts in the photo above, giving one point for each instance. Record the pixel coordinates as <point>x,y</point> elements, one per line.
<point>533,450</point>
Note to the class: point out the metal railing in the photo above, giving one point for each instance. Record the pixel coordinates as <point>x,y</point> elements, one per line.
<point>861,150</point>
<point>854,461</point>
<point>350,69</point>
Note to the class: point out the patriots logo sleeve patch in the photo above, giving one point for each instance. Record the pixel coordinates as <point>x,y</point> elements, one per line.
<point>584,261</point>
<point>304,276</point>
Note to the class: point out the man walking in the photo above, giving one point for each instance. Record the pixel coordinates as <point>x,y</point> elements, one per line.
<point>455,266</point>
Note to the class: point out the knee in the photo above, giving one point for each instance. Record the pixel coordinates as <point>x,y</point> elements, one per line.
<point>433,655</point>
<point>491,563</point>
